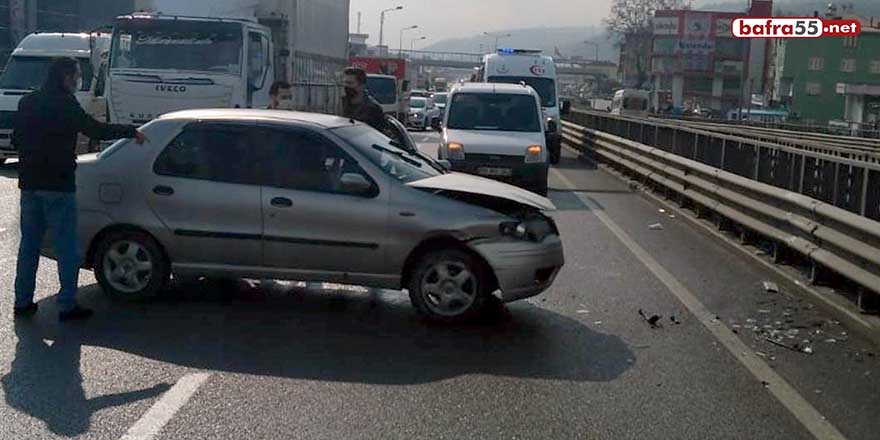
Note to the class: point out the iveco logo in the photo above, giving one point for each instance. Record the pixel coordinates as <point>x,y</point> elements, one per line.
<point>170,89</point>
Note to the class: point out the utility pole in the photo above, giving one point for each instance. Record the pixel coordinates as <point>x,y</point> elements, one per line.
<point>400,45</point>
<point>359,22</point>
<point>382,24</point>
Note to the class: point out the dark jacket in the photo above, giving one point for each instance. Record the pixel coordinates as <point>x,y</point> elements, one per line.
<point>45,133</point>
<point>368,111</point>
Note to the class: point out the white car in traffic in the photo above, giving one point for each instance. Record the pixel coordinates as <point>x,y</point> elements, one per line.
<point>422,113</point>
<point>497,131</point>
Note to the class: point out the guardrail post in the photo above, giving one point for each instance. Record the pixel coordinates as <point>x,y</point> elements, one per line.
<point>835,187</point>
<point>642,133</point>
<point>803,169</point>
<point>696,145</point>
<point>866,173</point>
<point>757,163</point>
<point>656,131</point>
<point>723,152</point>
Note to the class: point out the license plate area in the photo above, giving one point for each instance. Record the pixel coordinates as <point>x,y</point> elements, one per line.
<point>494,171</point>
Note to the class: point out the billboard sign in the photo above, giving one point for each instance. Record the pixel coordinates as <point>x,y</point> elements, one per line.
<point>666,25</point>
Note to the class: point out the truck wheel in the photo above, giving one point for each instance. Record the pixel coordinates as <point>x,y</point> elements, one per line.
<point>131,265</point>
<point>449,285</point>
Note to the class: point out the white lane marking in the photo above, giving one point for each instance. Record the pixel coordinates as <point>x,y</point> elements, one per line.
<point>149,425</point>
<point>799,407</point>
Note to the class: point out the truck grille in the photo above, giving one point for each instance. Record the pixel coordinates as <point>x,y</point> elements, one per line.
<point>7,120</point>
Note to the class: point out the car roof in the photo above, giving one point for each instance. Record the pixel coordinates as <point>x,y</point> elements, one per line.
<point>255,115</point>
<point>485,87</point>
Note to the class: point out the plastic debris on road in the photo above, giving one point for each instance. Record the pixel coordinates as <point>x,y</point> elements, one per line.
<point>807,350</point>
<point>583,311</point>
<point>597,322</point>
<point>655,227</point>
<point>653,320</point>
<point>771,287</point>
<point>662,211</point>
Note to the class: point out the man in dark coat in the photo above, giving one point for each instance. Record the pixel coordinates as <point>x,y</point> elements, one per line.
<point>357,103</point>
<point>45,133</point>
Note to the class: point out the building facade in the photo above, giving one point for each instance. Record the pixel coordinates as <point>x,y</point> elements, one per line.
<point>830,80</point>
<point>697,63</point>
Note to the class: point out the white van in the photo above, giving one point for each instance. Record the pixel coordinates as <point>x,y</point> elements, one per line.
<point>28,66</point>
<point>630,102</point>
<point>515,66</point>
<point>497,131</point>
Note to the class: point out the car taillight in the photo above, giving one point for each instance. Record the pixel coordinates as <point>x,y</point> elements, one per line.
<point>533,154</point>
<point>456,151</point>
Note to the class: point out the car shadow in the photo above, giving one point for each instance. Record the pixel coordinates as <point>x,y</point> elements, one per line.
<point>344,336</point>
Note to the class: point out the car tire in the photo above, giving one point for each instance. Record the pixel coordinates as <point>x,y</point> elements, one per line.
<point>130,265</point>
<point>449,285</point>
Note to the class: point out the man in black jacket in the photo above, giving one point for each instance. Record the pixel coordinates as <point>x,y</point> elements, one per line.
<point>357,103</point>
<point>46,128</point>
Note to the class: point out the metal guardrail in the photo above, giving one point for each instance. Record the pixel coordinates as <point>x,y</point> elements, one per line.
<point>797,128</point>
<point>766,190</point>
<point>784,137</point>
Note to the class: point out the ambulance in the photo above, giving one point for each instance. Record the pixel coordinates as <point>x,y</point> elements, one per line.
<point>516,66</point>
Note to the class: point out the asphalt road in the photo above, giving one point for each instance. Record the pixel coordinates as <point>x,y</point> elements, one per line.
<point>578,362</point>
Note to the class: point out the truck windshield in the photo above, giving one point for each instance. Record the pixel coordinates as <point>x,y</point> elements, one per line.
<point>383,90</point>
<point>545,87</point>
<point>498,112</point>
<point>29,73</point>
<point>177,45</point>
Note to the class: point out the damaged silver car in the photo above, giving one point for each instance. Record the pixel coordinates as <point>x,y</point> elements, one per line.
<point>300,196</point>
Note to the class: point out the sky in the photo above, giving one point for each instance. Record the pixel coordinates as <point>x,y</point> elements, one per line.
<point>443,19</point>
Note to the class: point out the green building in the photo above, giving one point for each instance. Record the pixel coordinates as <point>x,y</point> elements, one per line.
<point>829,80</point>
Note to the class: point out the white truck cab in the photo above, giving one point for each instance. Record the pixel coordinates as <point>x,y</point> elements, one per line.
<point>164,63</point>
<point>497,131</point>
<point>630,102</point>
<point>515,66</point>
<point>383,88</point>
<point>28,66</point>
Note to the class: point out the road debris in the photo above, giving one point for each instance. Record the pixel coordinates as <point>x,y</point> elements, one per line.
<point>807,349</point>
<point>764,311</point>
<point>831,341</point>
<point>674,320</point>
<point>653,320</point>
<point>597,322</point>
<point>763,355</point>
<point>662,211</point>
<point>771,287</point>
<point>672,216</point>
<point>765,384</point>
<point>583,311</point>
<point>655,227</point>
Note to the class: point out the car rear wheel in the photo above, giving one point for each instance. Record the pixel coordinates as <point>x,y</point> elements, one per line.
<point>449,285</point>
<point>131,265</point>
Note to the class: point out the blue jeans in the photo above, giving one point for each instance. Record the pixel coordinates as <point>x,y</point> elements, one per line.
<point>55,213</point>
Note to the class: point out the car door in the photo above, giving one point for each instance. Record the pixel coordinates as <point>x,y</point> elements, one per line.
<point>205,190</point>
<point>310,224</point>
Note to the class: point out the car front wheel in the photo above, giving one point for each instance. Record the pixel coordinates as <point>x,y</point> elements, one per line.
<point>131,265</point>
<point>449,285</point>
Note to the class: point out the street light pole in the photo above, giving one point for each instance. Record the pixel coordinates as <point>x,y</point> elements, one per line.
<point>412,42</point>
<point>400,45</point>
<point>382,24</point>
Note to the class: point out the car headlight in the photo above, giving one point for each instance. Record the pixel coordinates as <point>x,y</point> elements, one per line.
<point>534,228</point>
<point>456,151</point>
<point>533,154</point>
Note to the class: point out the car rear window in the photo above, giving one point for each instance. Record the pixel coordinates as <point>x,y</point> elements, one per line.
<point>494,112</point>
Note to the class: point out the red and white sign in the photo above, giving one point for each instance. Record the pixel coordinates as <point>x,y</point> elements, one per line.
<point>381,66</point>
<point>775,27</point>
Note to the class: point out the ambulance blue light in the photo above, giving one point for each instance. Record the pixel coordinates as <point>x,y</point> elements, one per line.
<point>507,51</point>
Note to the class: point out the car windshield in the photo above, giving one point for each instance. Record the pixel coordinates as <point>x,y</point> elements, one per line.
<point>498,112</point>
<point>545,87</point>
<point>418,103</point>
<point>178,45</point>
<point>382,152</point>
<point>383,90</point>
<point>29,73</point>
<point>440,98</point>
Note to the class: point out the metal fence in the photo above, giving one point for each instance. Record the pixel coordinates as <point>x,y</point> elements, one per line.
<point>823,206</point>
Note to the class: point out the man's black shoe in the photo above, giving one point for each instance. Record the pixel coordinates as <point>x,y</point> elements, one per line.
<point>26,311</point>
<point>76,313</point>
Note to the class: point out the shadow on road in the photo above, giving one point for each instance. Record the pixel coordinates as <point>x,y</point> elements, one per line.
<point>9,170</point>
<point>338,336</point>
<point>45,382</point>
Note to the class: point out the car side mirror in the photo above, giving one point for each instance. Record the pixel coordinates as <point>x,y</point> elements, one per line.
<point>566,108</point>
<point>447,165</point>
<point>355,184</point>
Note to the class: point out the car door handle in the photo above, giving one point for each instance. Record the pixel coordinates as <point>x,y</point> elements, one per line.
<point>163,190</point>
<point>282,202</point>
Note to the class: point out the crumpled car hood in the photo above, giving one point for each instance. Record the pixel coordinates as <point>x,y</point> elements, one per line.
<point>471,184</point>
